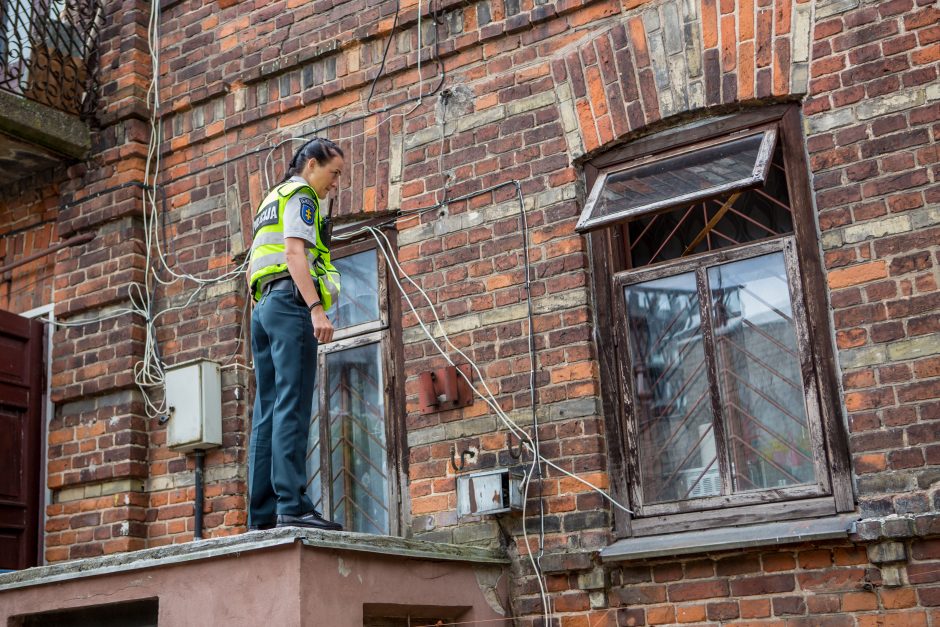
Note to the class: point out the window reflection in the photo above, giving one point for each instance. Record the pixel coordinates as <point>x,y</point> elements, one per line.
<point>359,297</point>
<point>759,374</point>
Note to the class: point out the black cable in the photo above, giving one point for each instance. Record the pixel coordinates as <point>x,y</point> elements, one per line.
<point>27,229</point>
<point>443,75</point>
<point>388,44</point>
<point>109,190</point>
<point>536,459</point>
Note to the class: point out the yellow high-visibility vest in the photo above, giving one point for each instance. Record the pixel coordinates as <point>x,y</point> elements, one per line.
<point>268,253</point>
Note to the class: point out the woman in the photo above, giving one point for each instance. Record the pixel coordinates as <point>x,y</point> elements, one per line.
<point>291,278</point>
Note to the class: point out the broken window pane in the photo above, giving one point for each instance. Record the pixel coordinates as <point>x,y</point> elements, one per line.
<point>760,385</point>
<point>679,179</point>
<point>675,438</point>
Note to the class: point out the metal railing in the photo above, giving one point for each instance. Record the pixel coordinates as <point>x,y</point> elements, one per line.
<point>48,52</point>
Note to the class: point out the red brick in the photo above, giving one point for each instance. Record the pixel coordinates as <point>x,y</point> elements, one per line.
<point>754,608</point>
<point>722,611</point>
<point>762,584</point>
<point>697,590</point>
<point>690,613</point>
<point>859,601</point>
<point>897,598</point>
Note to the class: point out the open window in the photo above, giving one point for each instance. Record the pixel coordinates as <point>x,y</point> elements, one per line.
<point>717,364</point>
<point>682,176</point>
<point>353,460</point>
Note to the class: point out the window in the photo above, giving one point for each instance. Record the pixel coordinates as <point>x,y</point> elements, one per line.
<point>710,292</point>
<point>352,452</point>
<point>681,177</point>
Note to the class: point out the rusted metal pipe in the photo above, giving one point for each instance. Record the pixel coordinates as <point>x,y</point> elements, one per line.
<point>72,241</point>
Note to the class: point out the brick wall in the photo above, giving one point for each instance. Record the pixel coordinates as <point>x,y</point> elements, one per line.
<point>831,586</point>
<point>27,225</point>
<point>97,439</point>
<point>872,127</point>
<point>534,88</point>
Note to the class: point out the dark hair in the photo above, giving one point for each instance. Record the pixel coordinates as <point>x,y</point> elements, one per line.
<point>319,148</point>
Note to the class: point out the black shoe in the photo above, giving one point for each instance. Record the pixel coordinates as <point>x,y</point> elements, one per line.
<point>263,527</point>
<point>311,520</point>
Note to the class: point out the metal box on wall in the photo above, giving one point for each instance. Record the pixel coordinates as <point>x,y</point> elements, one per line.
<point>489,492</point>
<point>194,403</point>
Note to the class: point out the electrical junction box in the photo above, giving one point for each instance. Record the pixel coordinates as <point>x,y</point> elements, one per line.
<point>495,491</point>
<point>194,404</point>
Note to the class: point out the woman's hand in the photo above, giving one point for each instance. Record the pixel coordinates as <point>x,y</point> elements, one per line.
<point>322,327</point>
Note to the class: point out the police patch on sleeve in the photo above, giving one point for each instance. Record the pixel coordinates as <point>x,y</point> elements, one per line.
<point>307,210</point>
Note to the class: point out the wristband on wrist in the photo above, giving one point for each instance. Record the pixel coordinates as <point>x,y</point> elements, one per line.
<point>314,304</point>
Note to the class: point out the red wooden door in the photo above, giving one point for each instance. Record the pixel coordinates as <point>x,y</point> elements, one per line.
<point>21,368</point>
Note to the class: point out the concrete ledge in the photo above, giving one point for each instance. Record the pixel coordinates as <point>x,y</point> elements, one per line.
<point>729,538</point>
<point>240,544</point>
<point>44,126</point>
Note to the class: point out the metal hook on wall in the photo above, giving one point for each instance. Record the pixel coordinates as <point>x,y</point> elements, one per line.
<point>463,458</point>
<point>513,452</point>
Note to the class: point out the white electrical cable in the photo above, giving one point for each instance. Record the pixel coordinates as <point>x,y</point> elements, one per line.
<point>149,371</point>
<point>513,427</point>
<point>490,399</point>
<point>385,245</point>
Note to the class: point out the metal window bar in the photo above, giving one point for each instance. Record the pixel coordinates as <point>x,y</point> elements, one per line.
<point>752,214</point>
<point>770,432</point>
<point>49,52</point>
<point>725,376</point>
<point>344,451</point>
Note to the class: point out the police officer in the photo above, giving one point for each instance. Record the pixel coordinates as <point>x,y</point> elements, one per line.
<point>294,283</point>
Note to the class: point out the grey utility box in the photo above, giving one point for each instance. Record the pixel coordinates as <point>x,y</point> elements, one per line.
<point>194,403</point>
<point>495,491</point>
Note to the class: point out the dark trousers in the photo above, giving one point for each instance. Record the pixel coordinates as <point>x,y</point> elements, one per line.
<point>285,360</point>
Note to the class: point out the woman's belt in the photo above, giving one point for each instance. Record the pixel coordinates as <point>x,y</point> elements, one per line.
<point>284,283</point>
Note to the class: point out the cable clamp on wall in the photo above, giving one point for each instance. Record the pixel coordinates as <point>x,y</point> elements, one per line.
<point>463,458</point>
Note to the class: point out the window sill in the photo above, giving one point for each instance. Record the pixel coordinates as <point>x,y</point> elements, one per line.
<point>727,538</point>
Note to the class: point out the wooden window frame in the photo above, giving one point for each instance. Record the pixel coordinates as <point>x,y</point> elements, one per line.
<point>757,177</point>
<point>610,265</point>
<point>386,331</point>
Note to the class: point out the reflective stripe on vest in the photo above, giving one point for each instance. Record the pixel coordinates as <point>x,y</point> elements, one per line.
<point>268,256</point>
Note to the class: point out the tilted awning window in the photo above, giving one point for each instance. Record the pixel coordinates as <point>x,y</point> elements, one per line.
<point>679,177</point>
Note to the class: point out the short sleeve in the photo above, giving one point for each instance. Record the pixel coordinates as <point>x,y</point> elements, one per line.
<point>300,218</point>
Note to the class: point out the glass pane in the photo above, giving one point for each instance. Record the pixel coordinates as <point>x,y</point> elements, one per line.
<point>679,178</point>
<point>314,475</point>
<point>358,459</point>
<point>760,385</point>
<point>707,225</point>
<point>359,294</point>
<point>676,441</point>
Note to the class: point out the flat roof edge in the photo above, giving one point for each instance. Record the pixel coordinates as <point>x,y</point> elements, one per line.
<point>252,541</point>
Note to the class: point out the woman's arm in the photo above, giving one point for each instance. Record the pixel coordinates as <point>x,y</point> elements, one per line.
<point>295,250</point>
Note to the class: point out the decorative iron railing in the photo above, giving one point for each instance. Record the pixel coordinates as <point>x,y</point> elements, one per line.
<point>48,52</point>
